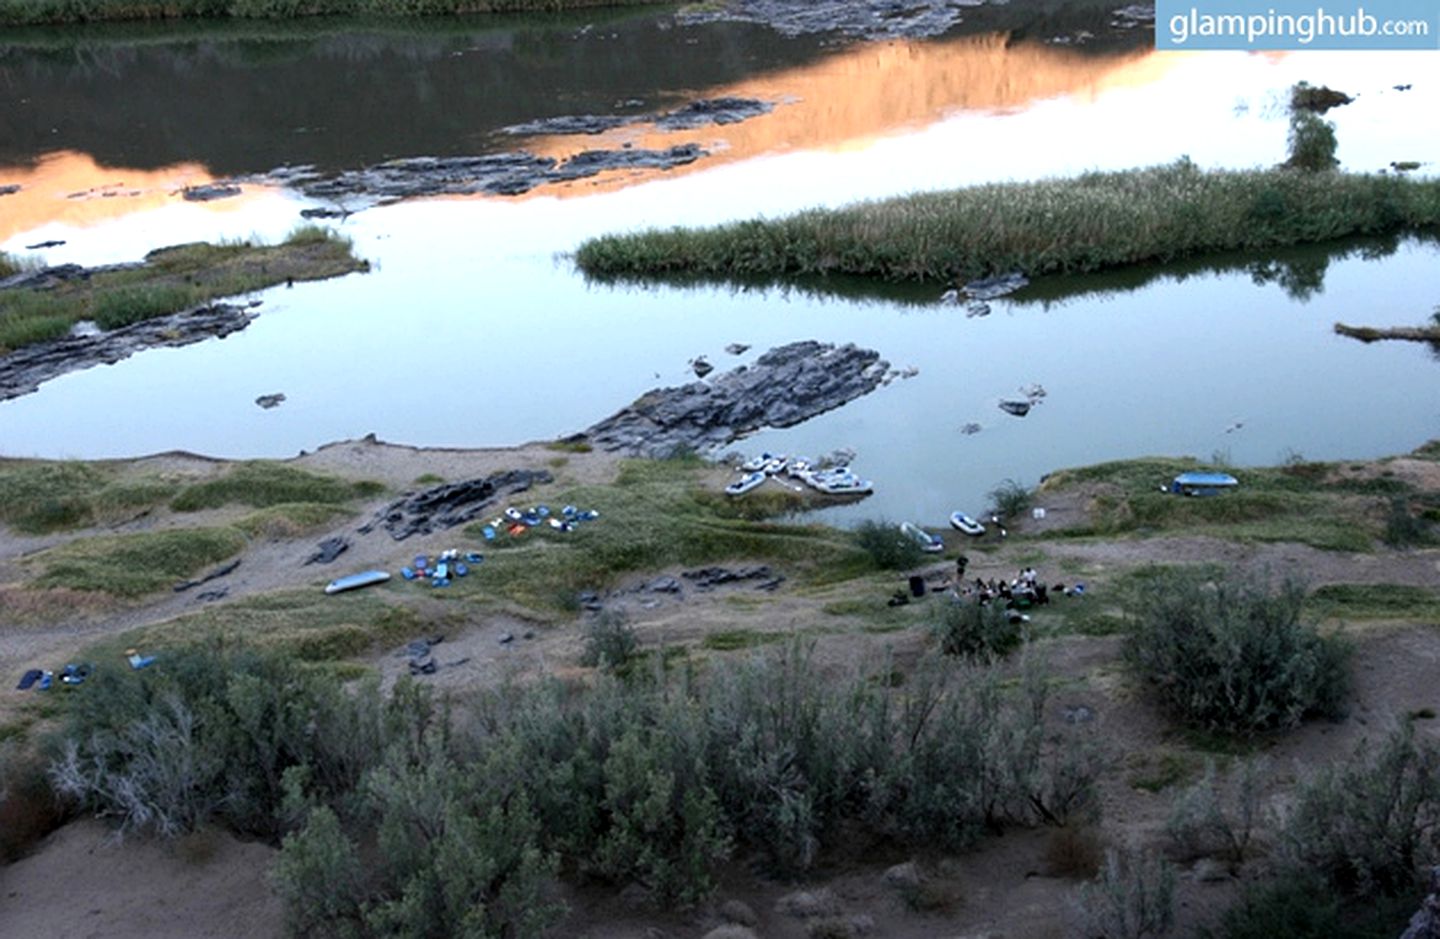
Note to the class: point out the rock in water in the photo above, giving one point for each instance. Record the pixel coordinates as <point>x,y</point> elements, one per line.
<point>785,386</point>
<point>998,286</point>
<point>1018,408</point>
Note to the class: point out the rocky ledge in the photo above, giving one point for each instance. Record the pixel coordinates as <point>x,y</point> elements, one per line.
<point>783,387</point>
<point>451,504</point>
<point>22,370</point>
<point>870,19</point>
<point>510,173</point>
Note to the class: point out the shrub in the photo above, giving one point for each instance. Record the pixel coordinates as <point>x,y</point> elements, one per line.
<point>1312,142</point>
<point>208,734</point>
<point>1368,827</point>
<point>975,630</point>
<point>1010,499</point>
<point>1134,896</point>
<point>888,546</point>
<point>319,878</point>
<point>1232,655</point>
<point>1299,906</point>
<point>1204,821</point>
<point>1074,851</point>
<point>609,642</point>
<point>1403,529</point>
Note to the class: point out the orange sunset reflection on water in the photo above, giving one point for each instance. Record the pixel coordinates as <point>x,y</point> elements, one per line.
<point>845,101</point>
<point>71,189</point>
<point>859,95</point>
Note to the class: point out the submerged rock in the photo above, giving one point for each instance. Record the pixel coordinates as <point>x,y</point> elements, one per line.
<point>567,124</point>
<point>713,111</point>
<point>702,113</point>
<point>785,386</point>
<point>210,192</point>
<point>988,288</point>
<point>1018,408</point>
<point>506,174</point>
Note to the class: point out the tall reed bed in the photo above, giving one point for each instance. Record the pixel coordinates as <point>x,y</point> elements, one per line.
<point>29,12</point>
<point>1094,221</point>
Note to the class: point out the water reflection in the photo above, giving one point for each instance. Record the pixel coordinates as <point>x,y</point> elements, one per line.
<point>243,99</point>
<point>854,96</point>
<point>66,189</point>
<point>1298,271</point>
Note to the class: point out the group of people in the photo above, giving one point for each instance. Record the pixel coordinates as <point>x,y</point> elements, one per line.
<point>1024,590</point>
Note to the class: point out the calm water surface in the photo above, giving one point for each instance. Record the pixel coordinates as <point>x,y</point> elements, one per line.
<point>475,330</point>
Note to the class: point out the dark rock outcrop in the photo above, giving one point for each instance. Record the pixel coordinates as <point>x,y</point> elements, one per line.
<point>712,111</point>
<point>22,370</point>
<point>989,288</point>
<point>328,550</point>
<point>785,386</point>
<point>869,19</point>
<point>505,174</point>
<point>702,113</point>
<point>451,504</point>
<point>221,571</point>
<point>567,124</point>
<point>210,192</point>
<point>708,578</point>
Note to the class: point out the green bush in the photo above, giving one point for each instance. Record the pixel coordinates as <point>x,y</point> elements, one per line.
<point>462,815</point>
<point>609,642</point>
<point>1368,827</point>
<point>207,735</point>
<point>1312,143</point>
<point>1208,819</point>
<point>1232,655</point>
<point>1404,529</point>
<point>889,547</point>
<point>1010,499</point>
<point>975,630</point>
<point>1300,906</point>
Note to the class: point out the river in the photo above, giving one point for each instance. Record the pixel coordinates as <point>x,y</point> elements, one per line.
<point>475,330</point>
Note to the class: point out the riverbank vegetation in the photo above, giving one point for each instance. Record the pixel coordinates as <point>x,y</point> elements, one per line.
<point>653,753</point>
<point>1329,505</point>
<point>1088,223</point>
<point>35,12</point>
<point>169,280</point>
<point>654,781</point>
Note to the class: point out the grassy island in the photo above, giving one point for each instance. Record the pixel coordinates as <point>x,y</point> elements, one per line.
<point>169,280</point>
<point>1088,223</point>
